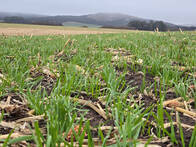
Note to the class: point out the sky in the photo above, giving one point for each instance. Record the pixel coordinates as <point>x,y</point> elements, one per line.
<point>174,11</point>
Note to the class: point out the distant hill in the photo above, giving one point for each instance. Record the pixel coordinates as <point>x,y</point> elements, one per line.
<point>189,25</point>
<point>113,20</point>
<point>101,19</point>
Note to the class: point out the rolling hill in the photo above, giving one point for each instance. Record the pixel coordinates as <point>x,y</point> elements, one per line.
<point>115,20</point>
<point>101,19</point>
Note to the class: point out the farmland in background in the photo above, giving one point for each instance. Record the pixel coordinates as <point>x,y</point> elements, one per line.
<point>25,29</point>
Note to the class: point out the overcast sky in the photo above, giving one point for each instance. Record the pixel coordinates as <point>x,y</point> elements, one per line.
<point>175,11</point>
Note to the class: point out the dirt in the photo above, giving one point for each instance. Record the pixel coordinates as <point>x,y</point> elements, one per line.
<point>46,83</point>
<point>16,109</point>
<point>16,117</point>
<point>14,98</point>
<point>95,119</point>
<point>5,130</point>
<point>136,79</point>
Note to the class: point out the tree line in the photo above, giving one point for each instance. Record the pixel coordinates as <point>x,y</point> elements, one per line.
<point>149,26</point>
<point>38,21</point>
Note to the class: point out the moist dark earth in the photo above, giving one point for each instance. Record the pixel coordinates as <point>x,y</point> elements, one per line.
<point>136,79</point>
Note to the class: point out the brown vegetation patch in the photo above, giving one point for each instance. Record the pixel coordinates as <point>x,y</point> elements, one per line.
<point>17,116</point>
<point>30,30</point>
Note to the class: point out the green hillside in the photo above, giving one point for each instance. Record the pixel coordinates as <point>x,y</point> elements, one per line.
<point>78,24</point>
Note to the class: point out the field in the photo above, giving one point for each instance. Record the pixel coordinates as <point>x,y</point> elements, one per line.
<point>23,29</point>
<point>122,89</point>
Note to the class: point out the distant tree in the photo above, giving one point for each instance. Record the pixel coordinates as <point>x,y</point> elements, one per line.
<point>14,19</point>
<point>140,25</point>
<point>152,25</point>
<point>84,26</point>
<point>160,25</point>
